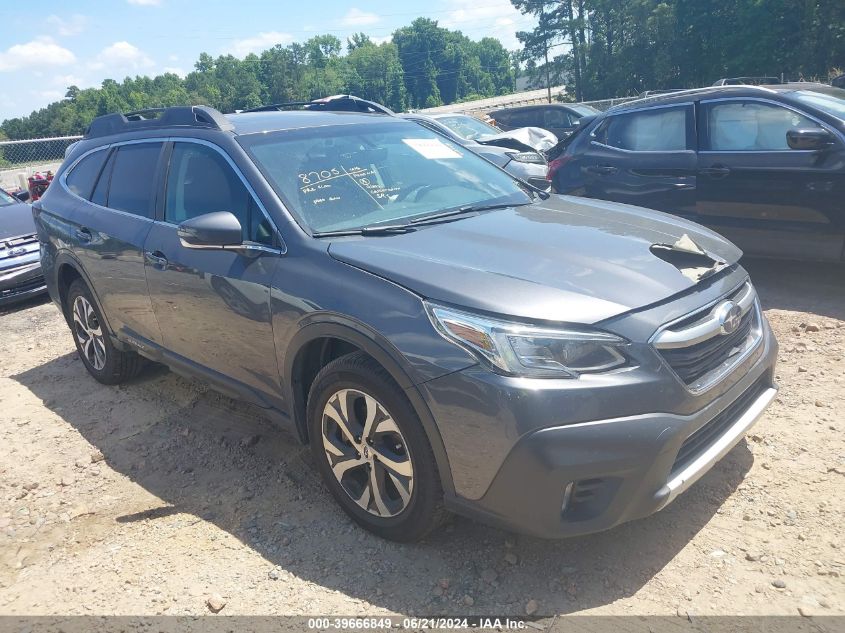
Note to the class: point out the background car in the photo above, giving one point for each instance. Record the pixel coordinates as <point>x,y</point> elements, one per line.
<point>558,118</point>
<point>507,151</point>
<point>762,165</point>
<point>20,264</point>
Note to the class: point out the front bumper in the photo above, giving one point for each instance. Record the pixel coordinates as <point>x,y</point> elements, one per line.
<point>569,479</point>
<point>21,283</point>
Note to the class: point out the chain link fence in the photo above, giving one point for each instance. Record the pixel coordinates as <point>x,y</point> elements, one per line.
<point>21,159</point>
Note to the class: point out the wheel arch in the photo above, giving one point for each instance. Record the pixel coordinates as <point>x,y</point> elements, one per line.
<point>68,269</point>
<point>359,336</point>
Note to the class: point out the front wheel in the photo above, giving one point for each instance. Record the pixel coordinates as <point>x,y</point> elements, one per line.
<point>372,451</point>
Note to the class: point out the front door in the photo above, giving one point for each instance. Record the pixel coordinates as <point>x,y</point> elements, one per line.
<point>645,158</point>
<point>213,306</point>
<point>767,198</point>
<point>558,121</point>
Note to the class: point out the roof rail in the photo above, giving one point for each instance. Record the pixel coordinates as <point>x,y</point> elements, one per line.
<point>334,103</point>
<point>176,116</point>
<point>748,81</point>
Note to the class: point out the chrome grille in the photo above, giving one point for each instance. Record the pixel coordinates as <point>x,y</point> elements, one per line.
<point>16,246</point>
<point>699,348</point>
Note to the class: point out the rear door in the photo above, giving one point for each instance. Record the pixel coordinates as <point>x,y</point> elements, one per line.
<point>767,198</point>
<point>111,223</point>
<point>214,305</point>
<point>645,158</point>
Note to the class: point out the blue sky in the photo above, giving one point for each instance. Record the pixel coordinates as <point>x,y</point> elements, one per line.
<point>44,50</point>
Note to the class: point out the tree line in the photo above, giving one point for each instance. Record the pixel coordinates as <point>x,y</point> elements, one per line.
<point>612,48</point>
<point>423,65</point>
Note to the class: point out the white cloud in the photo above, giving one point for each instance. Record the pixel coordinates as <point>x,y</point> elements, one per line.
<point>258,43</point>
<point>74,25</point>
<point>491,18</point>
<point>145,3</point>
<point>40,52</point>
<point>380,39</point>
<point>121,56</point>
<point>356,17</point>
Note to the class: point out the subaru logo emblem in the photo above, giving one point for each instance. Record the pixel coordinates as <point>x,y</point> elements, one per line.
<point>729,315</point>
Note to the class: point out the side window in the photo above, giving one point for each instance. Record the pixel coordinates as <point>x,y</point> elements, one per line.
<point>82,177</point>
<point>656,130</point>
<point>526,118</point>
<point>133,175</point>
<point>751,126</point>
<point>200,181</point>
<point>556,117</point>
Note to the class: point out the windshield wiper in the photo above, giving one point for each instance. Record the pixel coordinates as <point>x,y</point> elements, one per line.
<point>394,229</point>
<point>387,229</point>
<point>469,208</point>
<point>531,189</point>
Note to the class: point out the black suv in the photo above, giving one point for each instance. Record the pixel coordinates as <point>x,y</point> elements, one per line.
<point>442,334</point>
<point>762,165</point>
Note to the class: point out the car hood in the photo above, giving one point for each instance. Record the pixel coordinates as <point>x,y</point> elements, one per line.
<point>564,259</point>
<point>522,139</point>
<point>16,220</point>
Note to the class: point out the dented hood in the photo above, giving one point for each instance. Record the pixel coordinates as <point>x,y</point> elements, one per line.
<point>562,259</point>
<point>522,139</point>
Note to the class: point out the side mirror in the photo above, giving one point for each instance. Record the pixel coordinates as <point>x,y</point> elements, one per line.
<point>812,138</point>
<point>220,229</point>
<point>22,195</point>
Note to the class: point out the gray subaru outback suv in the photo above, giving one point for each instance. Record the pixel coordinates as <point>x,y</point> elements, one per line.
<point>442,335</point>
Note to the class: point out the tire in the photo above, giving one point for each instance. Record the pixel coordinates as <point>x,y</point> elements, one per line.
<point>392,487</point>
<point>101,358</point>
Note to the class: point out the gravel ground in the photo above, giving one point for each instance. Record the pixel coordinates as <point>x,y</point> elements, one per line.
<point>162,497</point>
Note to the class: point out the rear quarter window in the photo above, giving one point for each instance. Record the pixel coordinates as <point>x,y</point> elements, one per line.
<point>82,177</point>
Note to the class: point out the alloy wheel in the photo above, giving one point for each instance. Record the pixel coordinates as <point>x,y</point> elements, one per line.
<point>367,453</point>
<point>89,333</point>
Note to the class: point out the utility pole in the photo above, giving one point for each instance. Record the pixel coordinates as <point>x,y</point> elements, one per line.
<point>546,48</point>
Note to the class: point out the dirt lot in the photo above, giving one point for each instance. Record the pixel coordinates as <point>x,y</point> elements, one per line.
<point>155,496</point>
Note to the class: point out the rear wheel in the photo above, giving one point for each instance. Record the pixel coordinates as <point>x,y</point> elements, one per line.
<point>101,358</point>
<point>372,451</point>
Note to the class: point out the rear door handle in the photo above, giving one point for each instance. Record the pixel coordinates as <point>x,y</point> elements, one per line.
<point>602,170</point>
<point>156,259</point>
<point>717,171</point>
<point>84,235</point>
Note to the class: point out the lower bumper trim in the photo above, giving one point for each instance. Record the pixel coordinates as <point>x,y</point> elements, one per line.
<point>698,467</point>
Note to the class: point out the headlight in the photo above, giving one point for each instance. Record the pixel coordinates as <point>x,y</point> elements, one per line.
<point>526,350</point>
<point>527,157</point>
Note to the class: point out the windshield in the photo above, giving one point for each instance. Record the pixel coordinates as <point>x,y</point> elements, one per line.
<point>6,199</point>
<point>467,127</point>
<point>342,177</point>
<point>830,100</point>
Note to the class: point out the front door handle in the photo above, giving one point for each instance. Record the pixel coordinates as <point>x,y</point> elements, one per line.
<point>602,170</point>
<point>716,171</point>
<point>156,259</point>
<point>84,235</point>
